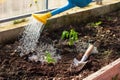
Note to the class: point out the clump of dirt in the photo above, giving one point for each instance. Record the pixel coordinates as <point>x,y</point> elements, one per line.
<point>105,36</point>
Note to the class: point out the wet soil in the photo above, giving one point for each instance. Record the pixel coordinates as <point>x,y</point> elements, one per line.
<point>106,37</point>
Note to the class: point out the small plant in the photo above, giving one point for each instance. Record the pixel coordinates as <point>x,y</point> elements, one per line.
<point>96,24</point>
<point>65,34</point>
<point>48,58</point>
<point>71,41</point>
<point>72,36</point>
<point>19,21</point>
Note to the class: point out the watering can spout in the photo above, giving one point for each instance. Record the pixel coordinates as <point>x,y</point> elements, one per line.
<point>42,17</point>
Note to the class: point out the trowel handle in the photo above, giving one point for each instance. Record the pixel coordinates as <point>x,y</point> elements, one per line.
<point>87,53</point>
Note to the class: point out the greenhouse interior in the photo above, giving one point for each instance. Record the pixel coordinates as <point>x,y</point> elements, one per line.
<point>60,40</point>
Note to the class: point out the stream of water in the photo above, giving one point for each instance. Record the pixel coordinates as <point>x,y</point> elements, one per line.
<point>30,36</point>
<point>29,40</point>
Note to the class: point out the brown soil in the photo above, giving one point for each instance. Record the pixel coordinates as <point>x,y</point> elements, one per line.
<point>106,37</point>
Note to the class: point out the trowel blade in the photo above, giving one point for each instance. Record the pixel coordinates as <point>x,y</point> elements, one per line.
<point>77,68</point>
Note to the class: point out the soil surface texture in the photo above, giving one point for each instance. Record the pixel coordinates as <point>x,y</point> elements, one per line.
<point>102,31</point>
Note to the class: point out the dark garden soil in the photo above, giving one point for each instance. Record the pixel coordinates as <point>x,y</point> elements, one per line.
<point>106,37</point>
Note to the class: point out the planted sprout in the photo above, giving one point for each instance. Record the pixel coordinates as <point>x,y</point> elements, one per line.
<point>96,24</point>
<point>72,36</point>
<point>71,41</point>
<point>48,58</point>
<point>65,34</point>
<point>19,21</point>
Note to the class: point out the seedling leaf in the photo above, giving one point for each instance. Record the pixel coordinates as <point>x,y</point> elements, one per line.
<point>65,34</point>
<point>49,58</point>
<point>71,41</point>
<point>72,36</point>
<point>98,23</point>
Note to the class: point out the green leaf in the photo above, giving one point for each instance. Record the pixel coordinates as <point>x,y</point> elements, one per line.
<point>98,23</point>
<point>76,36</point>
<point>49,58</point>
<point>19,21</point>
<point>65,34</point>
<point>73,34</point>
<point>71,41</point>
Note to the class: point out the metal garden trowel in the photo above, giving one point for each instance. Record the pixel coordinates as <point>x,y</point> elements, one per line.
<point>78,65</point>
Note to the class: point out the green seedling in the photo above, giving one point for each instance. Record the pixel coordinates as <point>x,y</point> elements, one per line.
<point>48,58</point>
<point>71,41</point>
<point>96,24</point>
<point>72,36</point>
<point>65,34</point>
<point>19,21</point>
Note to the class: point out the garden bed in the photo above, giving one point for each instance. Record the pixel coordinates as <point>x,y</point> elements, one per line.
<point>103,31</point>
